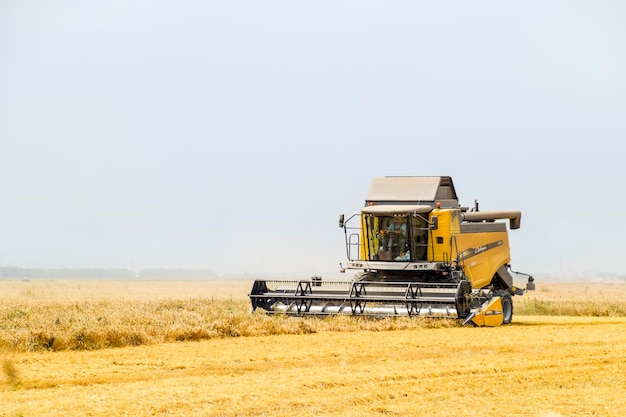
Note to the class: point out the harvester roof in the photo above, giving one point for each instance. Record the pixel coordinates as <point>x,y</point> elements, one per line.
<point>392,209</point>
<point>412,190</point>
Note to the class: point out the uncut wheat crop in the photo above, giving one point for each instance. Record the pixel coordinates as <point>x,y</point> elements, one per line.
<point>193,349</point>
<point>89,315</point>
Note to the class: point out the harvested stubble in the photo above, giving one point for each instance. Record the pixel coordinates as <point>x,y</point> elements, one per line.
<point>538,366</point>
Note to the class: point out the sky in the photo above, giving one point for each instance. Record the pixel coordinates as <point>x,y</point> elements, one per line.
<point>231,135</point>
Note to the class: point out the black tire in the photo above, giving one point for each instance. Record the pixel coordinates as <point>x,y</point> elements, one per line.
<point>463,299</point>
<point>507,308</point>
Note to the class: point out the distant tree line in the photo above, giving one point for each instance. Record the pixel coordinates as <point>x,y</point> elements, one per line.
<point>175,273</point>
<point>103,273</point>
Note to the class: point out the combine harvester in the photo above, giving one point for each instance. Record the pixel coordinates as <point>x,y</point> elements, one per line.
<point>419,253</point>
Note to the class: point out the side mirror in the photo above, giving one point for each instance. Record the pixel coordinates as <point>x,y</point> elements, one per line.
<point>341,220</point>
<point>434,223</point>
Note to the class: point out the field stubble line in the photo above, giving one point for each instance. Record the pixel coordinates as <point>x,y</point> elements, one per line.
<point>352,373</point>
<point>538,366</point>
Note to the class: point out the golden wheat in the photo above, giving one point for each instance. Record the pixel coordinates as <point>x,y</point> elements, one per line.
<point>102,324</point>
<point>538,366</point>
<point>90,315</point>
<point>574,299</point>
<point>544,366</point>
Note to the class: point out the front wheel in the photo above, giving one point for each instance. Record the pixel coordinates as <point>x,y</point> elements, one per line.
<point>507,308</point>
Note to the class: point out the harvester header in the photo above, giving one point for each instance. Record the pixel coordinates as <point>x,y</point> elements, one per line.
<point>417,252</point>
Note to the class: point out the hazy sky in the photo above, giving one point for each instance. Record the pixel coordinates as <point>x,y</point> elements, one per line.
<point>230,135</point>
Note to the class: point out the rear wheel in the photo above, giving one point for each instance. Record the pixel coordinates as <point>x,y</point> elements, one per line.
<point>507,308</point>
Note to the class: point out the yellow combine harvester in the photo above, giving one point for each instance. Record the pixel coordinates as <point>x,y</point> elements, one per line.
<point>418,253</point>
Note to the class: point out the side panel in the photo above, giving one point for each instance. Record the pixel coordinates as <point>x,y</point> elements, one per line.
<point>481,254</point>
<point>448,223</point>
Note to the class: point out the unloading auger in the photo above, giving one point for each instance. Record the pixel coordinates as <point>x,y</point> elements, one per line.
<point>418,253</point>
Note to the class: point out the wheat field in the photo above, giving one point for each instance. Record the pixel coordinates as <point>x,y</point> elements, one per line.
<point>541,365</point>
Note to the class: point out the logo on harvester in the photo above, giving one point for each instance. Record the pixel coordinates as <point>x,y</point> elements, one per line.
<point>468,253</point>
<point>479,249</point>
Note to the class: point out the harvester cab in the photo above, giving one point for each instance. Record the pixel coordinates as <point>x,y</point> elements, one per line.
<point>417,252</point>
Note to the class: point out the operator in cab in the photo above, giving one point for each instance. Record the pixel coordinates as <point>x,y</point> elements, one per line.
<point>394,239</point>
